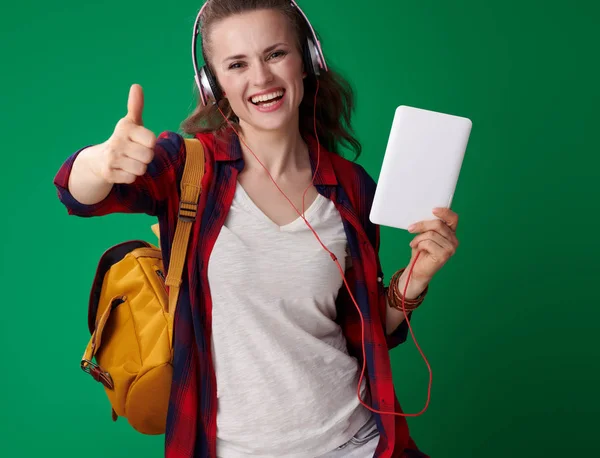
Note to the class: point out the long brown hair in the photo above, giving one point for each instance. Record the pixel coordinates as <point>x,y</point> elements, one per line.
<point>335,100</point>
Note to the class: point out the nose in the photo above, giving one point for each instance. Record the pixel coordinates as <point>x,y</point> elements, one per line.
<point>262,74</point>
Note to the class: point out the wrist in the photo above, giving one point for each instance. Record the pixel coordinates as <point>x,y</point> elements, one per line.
<point>85,184</point>
<point>415,292</point>
<point>415,287</point>
<point>88,163</point>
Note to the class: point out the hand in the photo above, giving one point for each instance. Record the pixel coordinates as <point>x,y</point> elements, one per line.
<point>436,242</point>
<point>127,153</point>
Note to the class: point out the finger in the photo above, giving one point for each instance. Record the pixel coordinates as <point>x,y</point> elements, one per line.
<point>129,165</point>
<point>447,215</point>
<point>120,176</point>
<point>142,136</point>
<point>433,249</point>
<point>442,242</point>
<point>135,104</point>
<point>437,226</point>
<point>139,153</point>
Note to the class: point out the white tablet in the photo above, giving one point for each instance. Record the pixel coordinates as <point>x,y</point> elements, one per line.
<point>420,167</point>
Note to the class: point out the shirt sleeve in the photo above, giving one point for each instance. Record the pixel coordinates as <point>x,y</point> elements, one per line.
<point>368,185</point>
<point>399,335</point>
<point>147,194</point>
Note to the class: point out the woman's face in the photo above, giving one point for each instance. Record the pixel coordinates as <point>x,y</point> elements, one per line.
<point>259,68</point>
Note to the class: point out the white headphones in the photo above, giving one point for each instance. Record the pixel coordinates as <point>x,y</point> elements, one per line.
<point>312,56</point>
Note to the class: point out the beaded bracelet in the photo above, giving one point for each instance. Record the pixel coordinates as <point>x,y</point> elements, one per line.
<point>395,298</point>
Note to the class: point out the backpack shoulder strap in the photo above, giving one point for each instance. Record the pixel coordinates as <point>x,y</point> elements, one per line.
<point>191,186</point>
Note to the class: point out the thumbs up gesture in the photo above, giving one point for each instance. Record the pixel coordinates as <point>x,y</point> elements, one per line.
<point>130,148</point>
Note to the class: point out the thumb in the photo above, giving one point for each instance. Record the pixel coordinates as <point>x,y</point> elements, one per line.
<point>135,104</point>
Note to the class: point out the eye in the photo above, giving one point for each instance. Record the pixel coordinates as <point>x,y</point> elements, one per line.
<point>275,54</point>
<point>282,53</point>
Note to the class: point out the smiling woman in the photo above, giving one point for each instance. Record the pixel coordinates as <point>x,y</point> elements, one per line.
<point>275,49</point>
<point>254,72</point>
<point>277,350</point>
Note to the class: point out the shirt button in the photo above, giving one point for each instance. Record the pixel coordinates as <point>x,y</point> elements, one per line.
<point>379,279</point>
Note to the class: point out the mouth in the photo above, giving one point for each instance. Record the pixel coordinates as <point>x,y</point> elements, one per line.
<point>267,100</point>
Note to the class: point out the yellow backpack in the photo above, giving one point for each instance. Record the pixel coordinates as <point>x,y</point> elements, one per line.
<point>131,315</point>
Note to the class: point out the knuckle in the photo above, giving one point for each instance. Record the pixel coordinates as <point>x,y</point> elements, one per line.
<point>114,146</point>
<point>123,125</point>
<point>110,146</point>
<point>113,156</point>
<point>103,174</point>
<point>148,156</point>
<point>128,178</point>
<point>152,139</point>
<point>108,174</point>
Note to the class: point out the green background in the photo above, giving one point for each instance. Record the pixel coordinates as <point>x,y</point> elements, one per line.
<point>511,322</point>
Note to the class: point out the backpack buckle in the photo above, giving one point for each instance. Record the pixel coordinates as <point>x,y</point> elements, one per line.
<point>187,211</point>
<point>97,373</point>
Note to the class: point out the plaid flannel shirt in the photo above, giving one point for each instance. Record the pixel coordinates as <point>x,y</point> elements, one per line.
<point>191,420</point>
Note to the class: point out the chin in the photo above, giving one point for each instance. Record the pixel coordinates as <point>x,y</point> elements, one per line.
<point>283,121</point>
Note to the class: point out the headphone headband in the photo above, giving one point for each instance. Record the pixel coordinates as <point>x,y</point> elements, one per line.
<point>207,83</point>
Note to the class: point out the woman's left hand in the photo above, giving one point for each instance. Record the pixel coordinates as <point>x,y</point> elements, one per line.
<point>436,241</point>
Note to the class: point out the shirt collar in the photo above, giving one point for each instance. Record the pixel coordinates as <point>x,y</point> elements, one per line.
<point>228,148</point>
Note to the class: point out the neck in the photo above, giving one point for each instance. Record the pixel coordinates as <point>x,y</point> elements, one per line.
<point>280,151</point>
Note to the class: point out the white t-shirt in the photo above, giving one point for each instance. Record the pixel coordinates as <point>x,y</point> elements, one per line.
<point>286,385</point>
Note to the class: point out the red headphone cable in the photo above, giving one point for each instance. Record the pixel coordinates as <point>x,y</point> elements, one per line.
<point>334,258</point>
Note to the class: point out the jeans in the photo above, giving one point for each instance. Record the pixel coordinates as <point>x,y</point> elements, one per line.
<point>362,445</point>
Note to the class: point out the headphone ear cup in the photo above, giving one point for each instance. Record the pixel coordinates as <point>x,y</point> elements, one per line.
<point>209,85</point>
<point>309,67</point>
<point>216,90</point>
<point>310,55</point>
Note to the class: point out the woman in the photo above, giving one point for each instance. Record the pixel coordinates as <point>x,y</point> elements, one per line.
<point>268,340</point>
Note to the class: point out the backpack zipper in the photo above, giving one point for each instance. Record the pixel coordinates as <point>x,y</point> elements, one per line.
<point>161,276</point>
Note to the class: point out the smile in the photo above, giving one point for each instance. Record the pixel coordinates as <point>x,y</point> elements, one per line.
<point>267,99</point>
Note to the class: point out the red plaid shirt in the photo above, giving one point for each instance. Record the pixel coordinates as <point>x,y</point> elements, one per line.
<point>191,421</point>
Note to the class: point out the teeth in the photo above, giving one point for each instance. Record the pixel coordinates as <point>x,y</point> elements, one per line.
<point>265,97</point>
